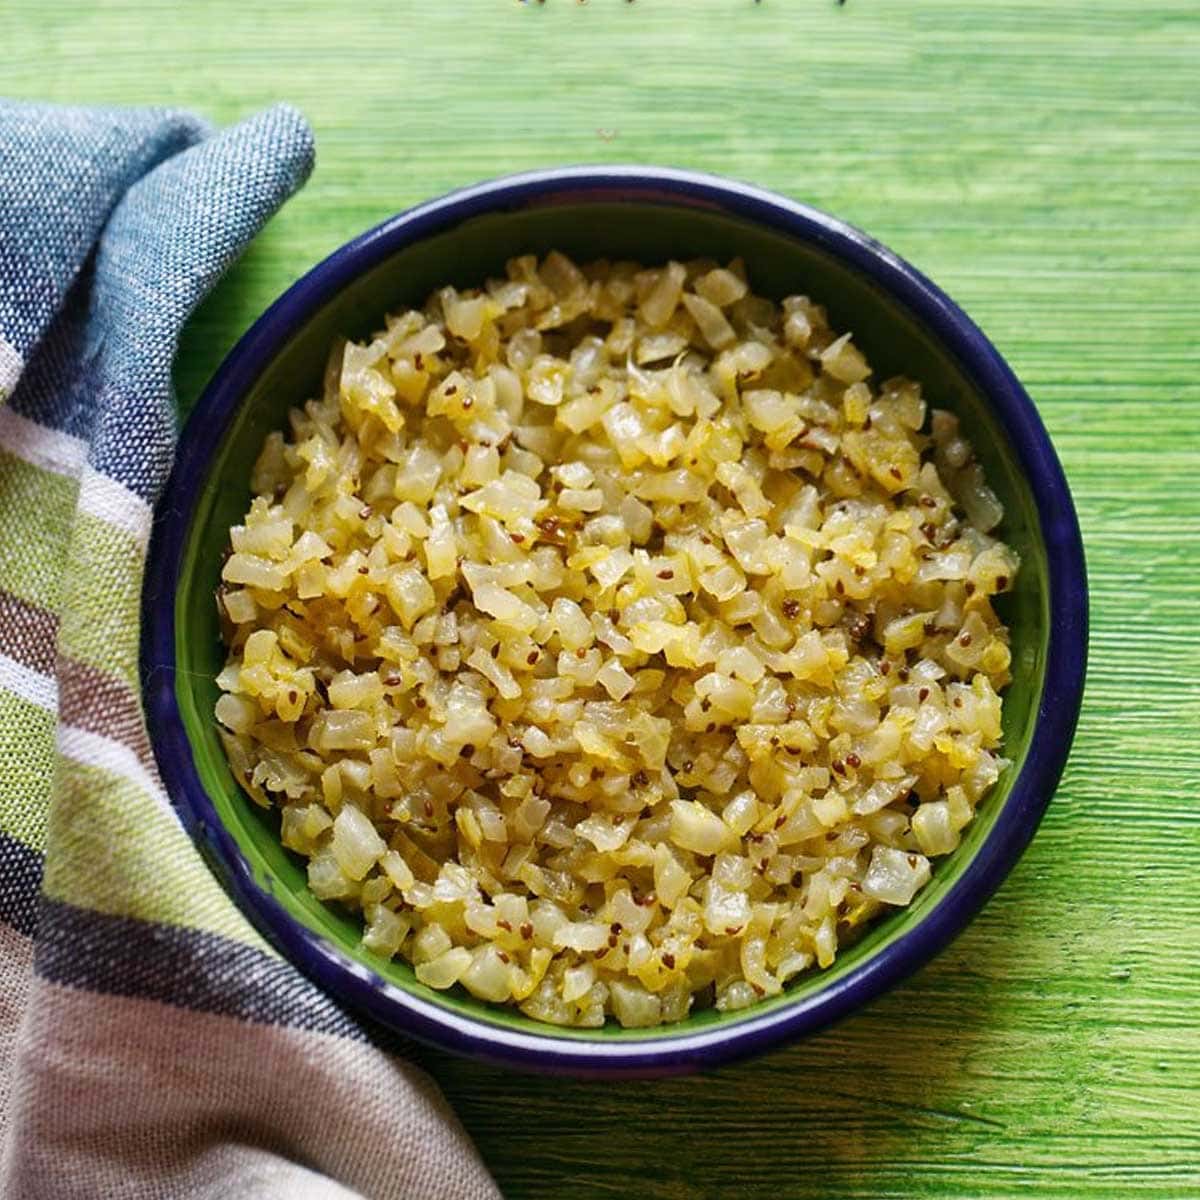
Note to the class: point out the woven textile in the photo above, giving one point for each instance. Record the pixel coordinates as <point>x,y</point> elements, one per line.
<point>151,1044</point>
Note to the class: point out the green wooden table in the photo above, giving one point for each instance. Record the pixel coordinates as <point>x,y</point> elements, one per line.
<point>1041,160</point>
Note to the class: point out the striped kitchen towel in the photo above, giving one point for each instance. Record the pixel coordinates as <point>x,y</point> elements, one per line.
<point>151,1045</point>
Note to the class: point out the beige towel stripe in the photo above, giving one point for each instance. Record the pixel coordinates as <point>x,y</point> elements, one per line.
<point>16,967</point>
<point>168,1102</point>
<point>50,449</point>
<point>30,685</point>
<point>10,369</point>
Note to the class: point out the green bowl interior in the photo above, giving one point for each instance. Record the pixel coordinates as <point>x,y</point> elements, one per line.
<point>893,341</point>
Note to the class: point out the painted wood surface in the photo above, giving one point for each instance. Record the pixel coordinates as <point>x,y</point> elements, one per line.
<point>1040,159</point>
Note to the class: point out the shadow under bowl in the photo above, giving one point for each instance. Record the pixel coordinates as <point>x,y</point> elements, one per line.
<point>903,323</point>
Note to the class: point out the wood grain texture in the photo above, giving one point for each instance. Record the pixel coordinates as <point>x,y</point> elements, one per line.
<point>1041,160</point>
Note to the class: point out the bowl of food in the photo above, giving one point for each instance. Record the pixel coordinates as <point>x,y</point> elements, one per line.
<point>613,620</point>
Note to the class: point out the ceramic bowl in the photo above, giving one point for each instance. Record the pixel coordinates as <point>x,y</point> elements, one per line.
<point>902,322</point>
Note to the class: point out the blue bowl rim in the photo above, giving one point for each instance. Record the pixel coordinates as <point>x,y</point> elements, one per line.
<point>1058,708</point>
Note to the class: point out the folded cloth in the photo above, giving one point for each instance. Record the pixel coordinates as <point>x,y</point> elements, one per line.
<point>151,1044</point>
